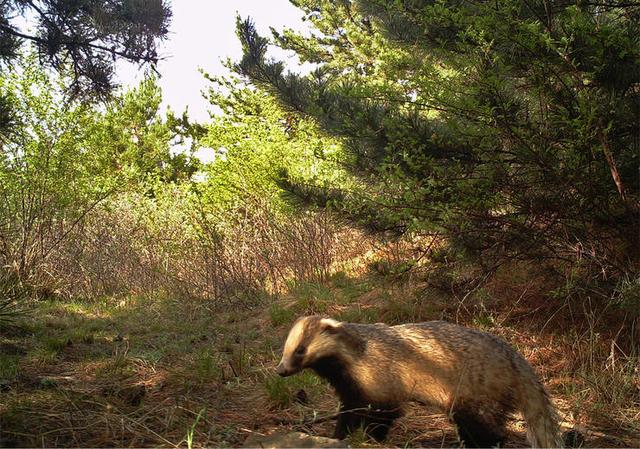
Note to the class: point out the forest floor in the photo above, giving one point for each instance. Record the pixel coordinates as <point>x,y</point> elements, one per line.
<point>157,371</point>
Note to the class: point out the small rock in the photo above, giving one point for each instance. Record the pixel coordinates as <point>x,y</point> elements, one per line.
<point>290,439</point>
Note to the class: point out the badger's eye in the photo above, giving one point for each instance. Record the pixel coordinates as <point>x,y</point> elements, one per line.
<point>300,350</point>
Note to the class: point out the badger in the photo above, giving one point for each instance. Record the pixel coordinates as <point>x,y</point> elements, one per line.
<point>477,379</point>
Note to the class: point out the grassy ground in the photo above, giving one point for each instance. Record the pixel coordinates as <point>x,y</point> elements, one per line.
<point>155,371</point>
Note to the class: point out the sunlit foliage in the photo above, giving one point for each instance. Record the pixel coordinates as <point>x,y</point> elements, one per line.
<point>509,127</point>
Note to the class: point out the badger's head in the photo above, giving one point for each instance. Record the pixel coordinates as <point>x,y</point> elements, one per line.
<point>313,338</point>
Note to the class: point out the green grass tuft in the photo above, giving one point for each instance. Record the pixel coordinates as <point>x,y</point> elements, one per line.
<point>312,298</point>
<point>8,368</point>
<point>281,390</point>
<point>359,314</point>
<point>208,365</point>
<point>278,391</point>
<point>280,315</point>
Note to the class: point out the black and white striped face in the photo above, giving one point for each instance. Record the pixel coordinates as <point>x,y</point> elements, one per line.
<point>310,339</point>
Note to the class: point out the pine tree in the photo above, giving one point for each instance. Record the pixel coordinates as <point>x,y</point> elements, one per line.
<point>509,126</point>
<point>85,37</point>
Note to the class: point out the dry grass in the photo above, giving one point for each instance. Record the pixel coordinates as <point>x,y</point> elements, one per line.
<point>155,371</point>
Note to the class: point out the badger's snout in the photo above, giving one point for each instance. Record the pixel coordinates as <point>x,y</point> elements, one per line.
<point>283,370</point>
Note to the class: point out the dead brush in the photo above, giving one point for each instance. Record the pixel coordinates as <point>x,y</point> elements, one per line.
<point>606,378</point>
<point>132,244</point>
<point>13,298</point>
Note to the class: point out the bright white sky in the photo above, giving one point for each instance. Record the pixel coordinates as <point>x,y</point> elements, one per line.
<point>202,34</point>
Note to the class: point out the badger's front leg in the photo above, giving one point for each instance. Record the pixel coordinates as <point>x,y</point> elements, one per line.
<point>374,421</point>
<point>350,418</point>
<point>379,420</point>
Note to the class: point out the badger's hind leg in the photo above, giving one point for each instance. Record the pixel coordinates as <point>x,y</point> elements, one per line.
<point>479,428</point>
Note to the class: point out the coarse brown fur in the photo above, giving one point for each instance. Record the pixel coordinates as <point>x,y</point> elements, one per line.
<point>474,377</point>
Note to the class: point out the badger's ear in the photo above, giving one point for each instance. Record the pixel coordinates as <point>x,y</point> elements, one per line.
<point>329,325</point>
<point>344,334</point>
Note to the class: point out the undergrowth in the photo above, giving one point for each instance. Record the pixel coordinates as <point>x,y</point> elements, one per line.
<point>158,371</point>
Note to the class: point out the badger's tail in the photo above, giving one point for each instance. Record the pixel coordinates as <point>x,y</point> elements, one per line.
<point>542,420</point>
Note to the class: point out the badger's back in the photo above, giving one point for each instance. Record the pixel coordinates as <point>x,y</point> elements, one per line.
<point>455,368</point>
<point>438,362</point>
